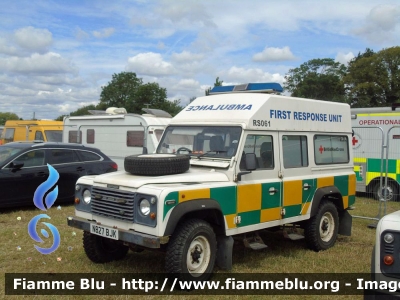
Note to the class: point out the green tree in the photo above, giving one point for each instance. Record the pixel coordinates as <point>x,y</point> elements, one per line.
<point>317,79</point>
<point>373,79</point>
<point>128,91</point>
<point>5,116</point>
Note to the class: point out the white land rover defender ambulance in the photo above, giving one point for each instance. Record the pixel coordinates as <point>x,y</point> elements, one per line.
<point>240,160</point>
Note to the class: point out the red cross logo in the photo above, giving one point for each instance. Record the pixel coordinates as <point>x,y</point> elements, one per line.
<point>321,149</point>
<point>354,141</point>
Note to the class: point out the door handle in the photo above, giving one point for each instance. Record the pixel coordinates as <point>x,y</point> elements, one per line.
<point>306,186</point>
<point>273,190</point>
<point>80,169</point>
<point>41,174</point>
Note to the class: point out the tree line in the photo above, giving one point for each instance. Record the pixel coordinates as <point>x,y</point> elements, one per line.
<point>371,79</point>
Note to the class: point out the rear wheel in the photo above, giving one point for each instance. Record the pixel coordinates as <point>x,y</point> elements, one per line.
<point>321,230</point>
<point>102,250</point>
<point>388,193</point>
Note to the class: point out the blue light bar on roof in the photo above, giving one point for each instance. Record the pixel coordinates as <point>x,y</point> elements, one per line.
<point>271,87</point>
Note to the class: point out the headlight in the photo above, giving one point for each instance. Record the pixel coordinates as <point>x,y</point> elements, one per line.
<point>144,207</point>
<point>87,196</point>
<point>388,238</point>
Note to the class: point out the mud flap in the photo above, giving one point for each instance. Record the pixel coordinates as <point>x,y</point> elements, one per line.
<point>224,252</point>
<point>345,223</point>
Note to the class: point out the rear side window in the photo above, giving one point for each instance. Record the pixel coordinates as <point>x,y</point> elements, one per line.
<point>63,156</point>
<point>294,151</point>
<point>89,156</point>
<point>331,149</point>
<point>73,137</point>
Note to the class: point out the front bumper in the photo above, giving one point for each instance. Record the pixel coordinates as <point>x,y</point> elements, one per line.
<point>132,237</point>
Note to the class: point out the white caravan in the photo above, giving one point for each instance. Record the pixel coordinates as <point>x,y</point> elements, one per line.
<point>117,133</point>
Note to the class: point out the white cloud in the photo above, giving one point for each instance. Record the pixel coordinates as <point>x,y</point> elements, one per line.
<point>186,56</point>
<point>381,25</point>
<point>104,33</point>
<point>274,54</point>
<point>344,58</point>
<point>33,39</point>
<point>241,75</point>
<point>150,64</point>
<point>37,64</point>
<point>81,34</point>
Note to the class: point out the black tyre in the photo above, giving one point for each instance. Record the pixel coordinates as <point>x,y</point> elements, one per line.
<point>156,164</point>
<point>322,229</point>
<point>191,251</point>
<point>102,250</point>
<point>389,193</point>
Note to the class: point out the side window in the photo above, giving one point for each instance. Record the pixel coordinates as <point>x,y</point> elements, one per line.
<point>9,135</point>
<point>90,136</point>
<point>134,138</point>
<point>32,158</point>
<point>89,156</point>
<point>262,146</point>
<point>294,151</point>
<point>73,137</point>
<point>39,136</point>
<point>63,156</point>
<point>329,149</point>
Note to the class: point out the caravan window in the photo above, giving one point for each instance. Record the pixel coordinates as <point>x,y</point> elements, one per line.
<point>53,135</point>
<point>134,138</point>
<point>73,136</point>
<point>90,136</point>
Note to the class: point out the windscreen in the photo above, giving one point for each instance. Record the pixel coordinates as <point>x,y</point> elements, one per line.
<point>201,141</point>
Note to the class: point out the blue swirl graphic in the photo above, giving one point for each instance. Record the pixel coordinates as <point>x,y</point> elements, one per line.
<point>32,232</point>
<point>44,187</point>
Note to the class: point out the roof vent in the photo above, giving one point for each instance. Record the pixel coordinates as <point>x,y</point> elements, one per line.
<point>115,110</point>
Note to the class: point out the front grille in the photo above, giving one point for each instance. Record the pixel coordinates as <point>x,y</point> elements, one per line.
<point>389,249</point>
<point>113,203</point>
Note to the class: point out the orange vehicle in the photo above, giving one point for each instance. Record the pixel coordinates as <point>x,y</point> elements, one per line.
<point>29,130</point>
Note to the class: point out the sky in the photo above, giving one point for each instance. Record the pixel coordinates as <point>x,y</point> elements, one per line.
<point>56,55</point>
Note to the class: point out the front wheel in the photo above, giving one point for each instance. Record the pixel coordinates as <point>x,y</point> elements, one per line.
<point>191,251</point>
<point>322,229</point>
<point>102,250</point>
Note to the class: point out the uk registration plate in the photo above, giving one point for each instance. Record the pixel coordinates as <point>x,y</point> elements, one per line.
<point>103,231</point>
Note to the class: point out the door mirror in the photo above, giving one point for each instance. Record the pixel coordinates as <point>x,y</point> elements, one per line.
<point>251,161</point>
<point>16,165</point>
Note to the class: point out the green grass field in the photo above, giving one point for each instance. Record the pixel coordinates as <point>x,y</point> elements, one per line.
<point>349,255</point>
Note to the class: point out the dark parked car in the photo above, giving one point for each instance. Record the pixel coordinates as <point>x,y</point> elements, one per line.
<point>23,167</point>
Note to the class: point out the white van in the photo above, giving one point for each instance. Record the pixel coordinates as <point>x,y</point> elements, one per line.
<point>117,133</point>
<point>241,160</point>
<point>376,145</point>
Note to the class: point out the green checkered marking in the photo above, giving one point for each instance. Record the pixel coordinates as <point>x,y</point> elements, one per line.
<point>292,210</point>
<point>307,195</point>
<point>374,165</point>
<point>226,197</point>
<point>250,218</point>
<point>270,201</point>
<point>342,183</point>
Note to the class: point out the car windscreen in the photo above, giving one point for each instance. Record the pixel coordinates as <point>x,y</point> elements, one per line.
<point>201,141</point>
<point>53,135</point>
<point>6,152</point>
